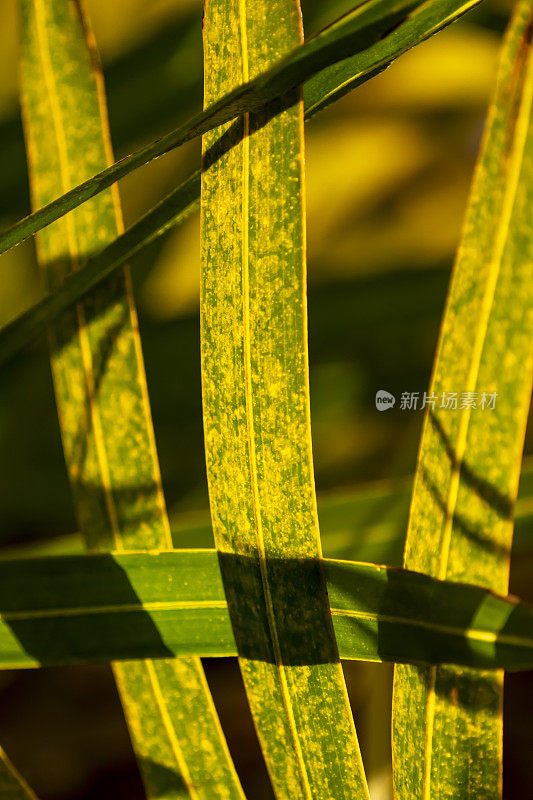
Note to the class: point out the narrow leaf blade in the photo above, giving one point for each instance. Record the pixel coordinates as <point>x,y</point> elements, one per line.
<point>321,90</point>
<point>77,609</point>
<point>12,784</point>
<point>370,23</point>
<point>465,489</point>
<point>101,390</point>
<point>256,413</point>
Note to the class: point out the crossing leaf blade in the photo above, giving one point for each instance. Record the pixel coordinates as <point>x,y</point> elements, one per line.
<point>461,518</point>
<point>79,609</point>
<point>373,23</point>
<point>101,392</point>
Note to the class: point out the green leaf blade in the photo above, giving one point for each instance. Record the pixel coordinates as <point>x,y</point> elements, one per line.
<point>461,518</point>
<point>419,24</point>
<point>354,34</point>
<point>256,412</point>
<point>319,92</point>
<point>100,384</point>
<point>100,607</point>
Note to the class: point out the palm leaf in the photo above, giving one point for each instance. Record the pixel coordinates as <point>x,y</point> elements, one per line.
<point>78,609</point>
<point>99,380</point>
<point>320,91</point>
<point>390,29</point>
<point>256,412</point>
<point>469,463</point>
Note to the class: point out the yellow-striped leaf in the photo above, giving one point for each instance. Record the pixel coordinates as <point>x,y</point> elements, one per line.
<point>101,392</point>
<point>447,722</point>
<point>256,412</point>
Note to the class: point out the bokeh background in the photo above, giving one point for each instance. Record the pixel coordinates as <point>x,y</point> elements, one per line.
<point>388,170</point>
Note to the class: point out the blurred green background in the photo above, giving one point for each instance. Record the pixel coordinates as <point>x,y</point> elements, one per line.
<point>388,170</point>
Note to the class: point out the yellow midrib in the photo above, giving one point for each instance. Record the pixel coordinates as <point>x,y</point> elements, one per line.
<point>250,423</point>
<point>514,169</point>
<point>66,184</point>
<point>471,634</point>
<point>82,611</point>
<point>141,375</point>
<point>85,349</point>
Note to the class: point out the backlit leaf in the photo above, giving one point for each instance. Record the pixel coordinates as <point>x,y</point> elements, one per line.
<point>101,391</point>
<point>72,609</point>
<point>320,91</point>
<point>373,23</point>
<point>256,413</point>
<point>461,517</point>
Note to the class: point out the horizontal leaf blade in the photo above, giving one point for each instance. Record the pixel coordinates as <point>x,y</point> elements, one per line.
<point>76,609</point>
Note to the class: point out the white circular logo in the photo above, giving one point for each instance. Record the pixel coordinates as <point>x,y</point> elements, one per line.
<point>384,400</point>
